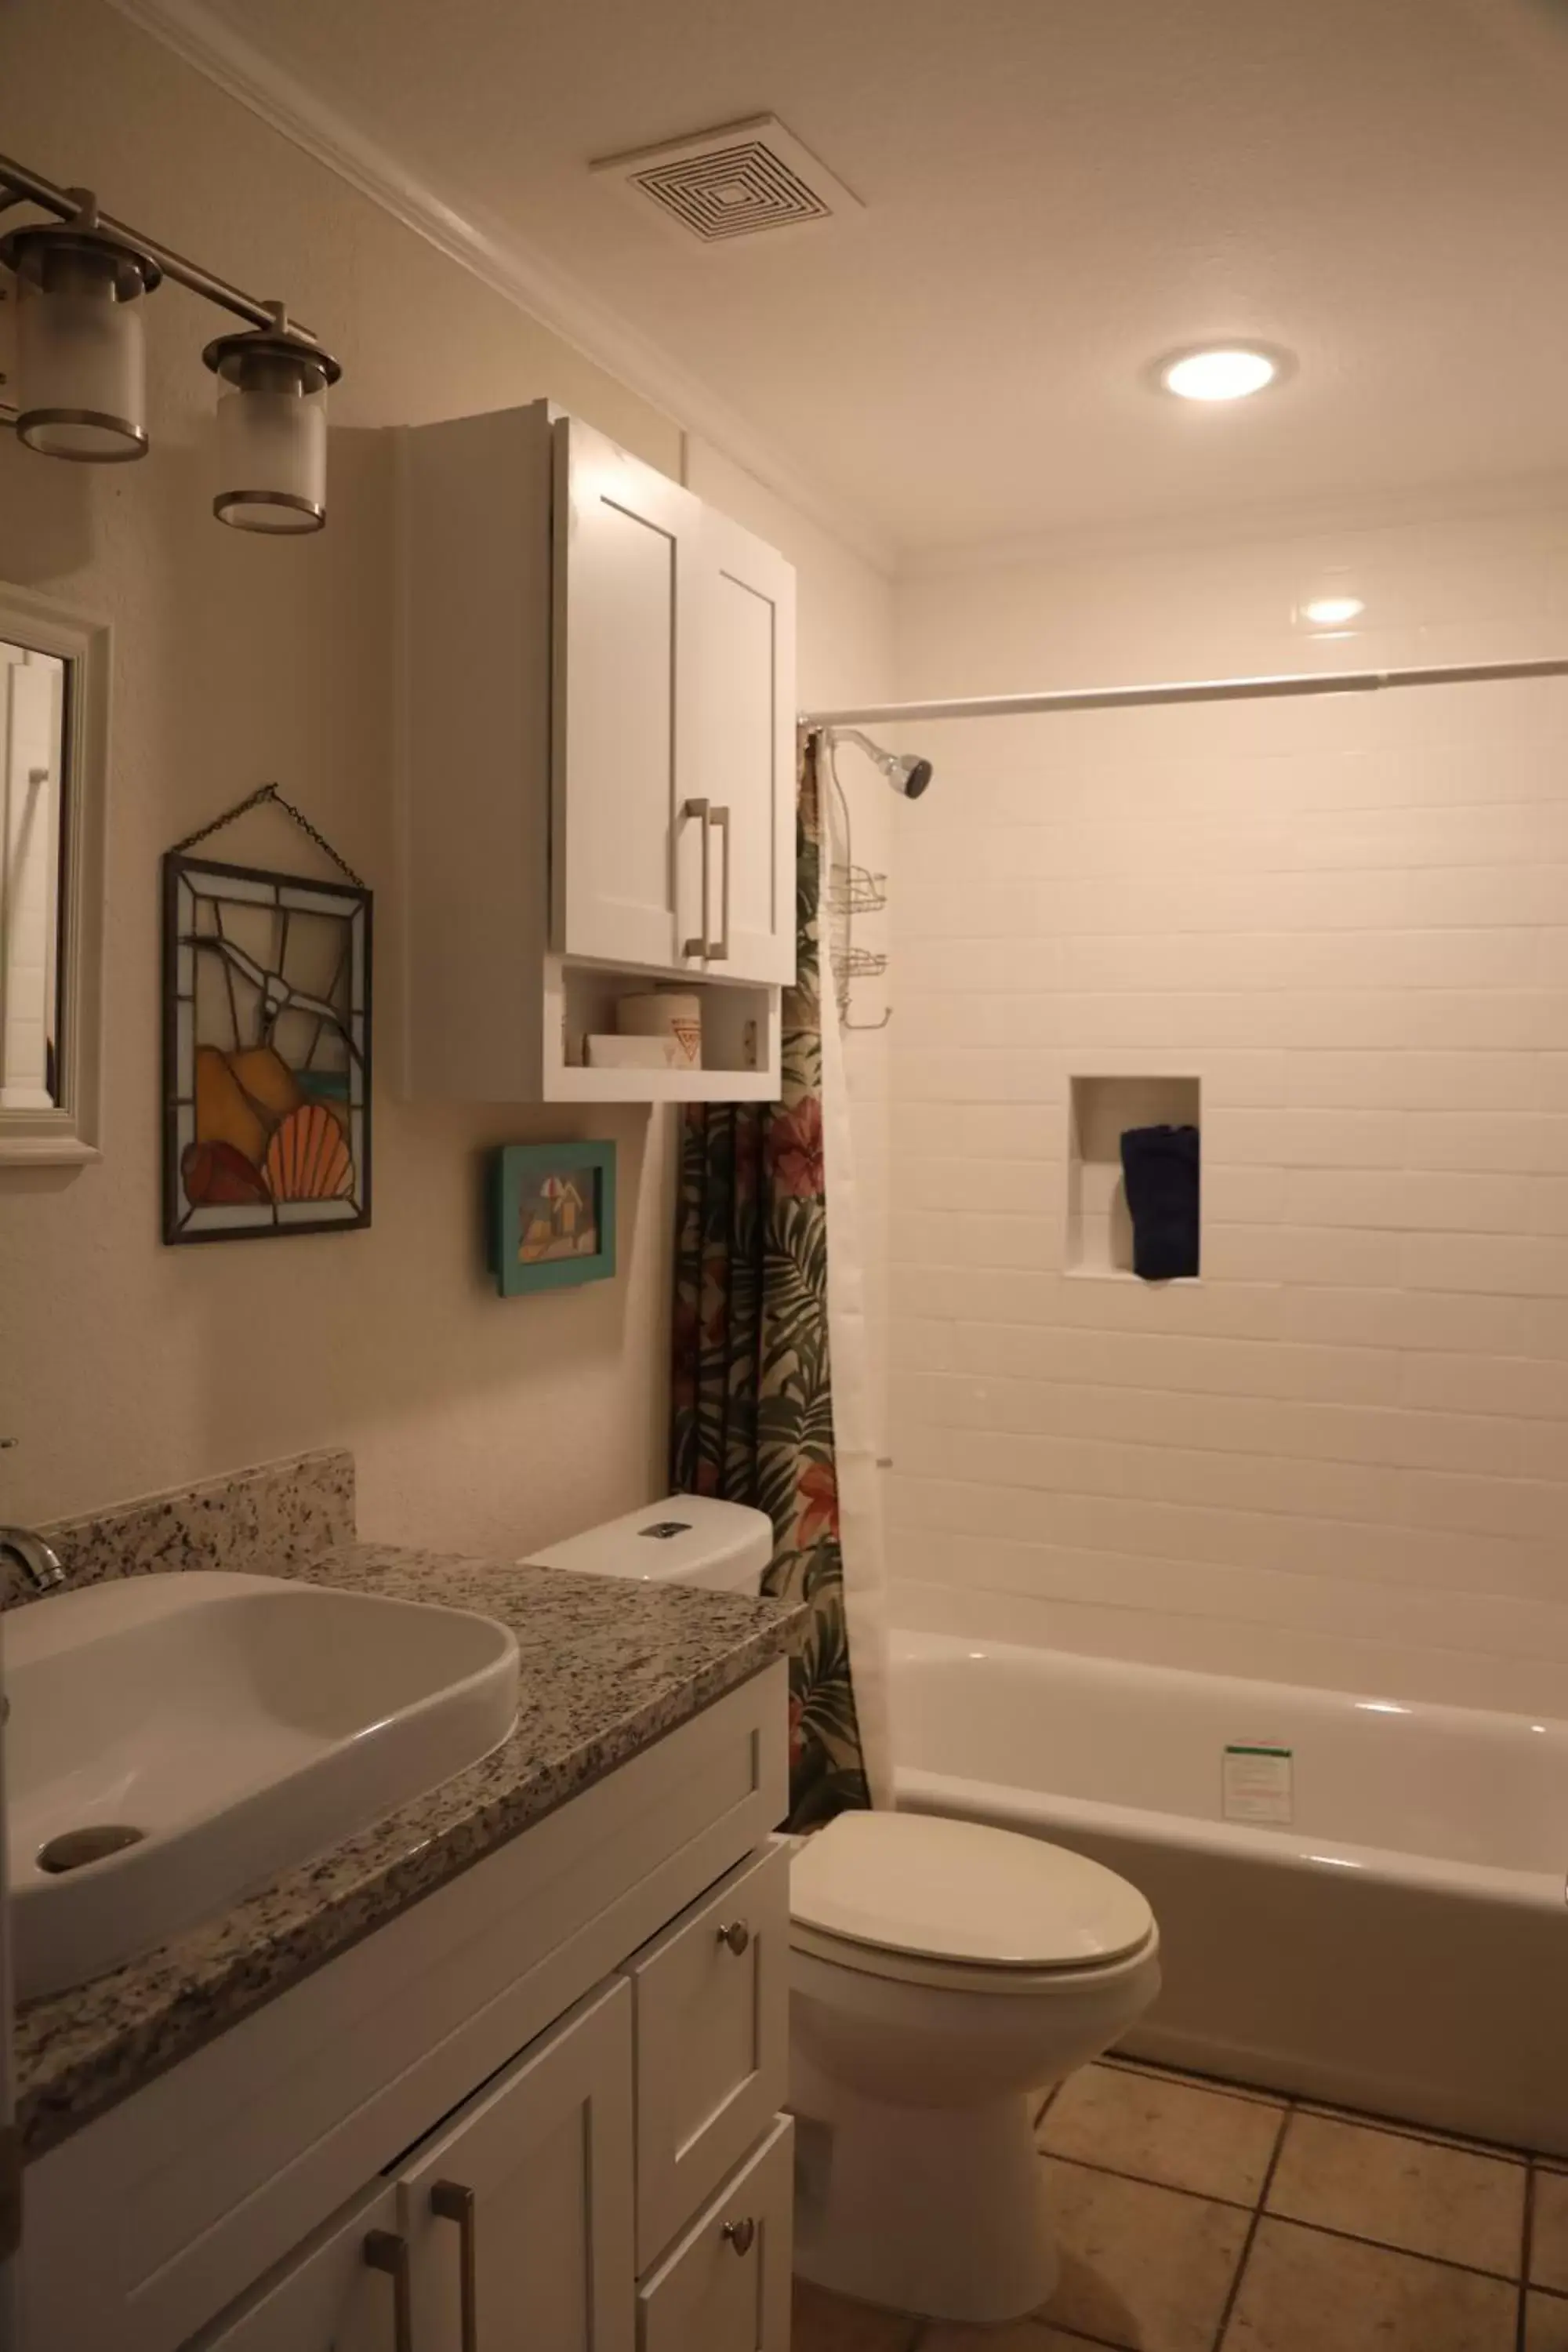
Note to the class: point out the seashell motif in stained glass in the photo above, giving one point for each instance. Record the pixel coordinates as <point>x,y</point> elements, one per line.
<point>308,1158</point>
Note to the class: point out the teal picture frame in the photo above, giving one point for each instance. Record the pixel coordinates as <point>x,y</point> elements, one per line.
<point>551,1216</point>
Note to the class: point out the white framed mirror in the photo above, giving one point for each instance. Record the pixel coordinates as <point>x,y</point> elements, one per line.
<point>54,734</point>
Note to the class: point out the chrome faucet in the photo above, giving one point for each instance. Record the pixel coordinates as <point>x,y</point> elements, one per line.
<point>39,1560</point>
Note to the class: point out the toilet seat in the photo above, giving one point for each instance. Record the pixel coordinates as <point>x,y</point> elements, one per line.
<point>951,1976</point>
<point>920,1899</point>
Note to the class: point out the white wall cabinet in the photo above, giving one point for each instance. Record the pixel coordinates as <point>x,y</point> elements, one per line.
<point>539,2109</point>
<point>628,686</point>
<point>597,763</point>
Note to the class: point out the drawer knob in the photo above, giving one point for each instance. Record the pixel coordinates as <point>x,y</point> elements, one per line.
<point>740,2234</point>
<point>737,1935</point>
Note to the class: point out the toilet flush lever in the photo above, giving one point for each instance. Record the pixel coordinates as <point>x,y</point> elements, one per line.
<point>737,1935</point>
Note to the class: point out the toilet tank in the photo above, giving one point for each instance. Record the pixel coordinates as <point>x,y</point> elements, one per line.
<point>684,1539</point>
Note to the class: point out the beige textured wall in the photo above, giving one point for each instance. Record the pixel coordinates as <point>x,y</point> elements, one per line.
<point>1338,1456</point>
<point>126,1367</point>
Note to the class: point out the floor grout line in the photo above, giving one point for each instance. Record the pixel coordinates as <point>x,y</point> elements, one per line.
<point>1252,2228</point>
<point>1387,2246</point>
<point>1150,2180</point>
<point>1183,2079</point>
<point>1494,2151</point>
<point>1075,2335</point>
<point>1526,2251</point>
<point>1428,2134</point>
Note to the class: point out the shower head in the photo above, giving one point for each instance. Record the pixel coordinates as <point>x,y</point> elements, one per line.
<point>906,773</point>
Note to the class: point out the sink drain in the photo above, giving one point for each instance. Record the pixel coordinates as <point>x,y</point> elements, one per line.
<point>74,1847</point>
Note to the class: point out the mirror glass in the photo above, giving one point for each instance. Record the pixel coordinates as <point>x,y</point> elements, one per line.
<point>33,961</point>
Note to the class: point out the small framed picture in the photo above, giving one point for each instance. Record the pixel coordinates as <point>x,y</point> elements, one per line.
<point>553,1215</point>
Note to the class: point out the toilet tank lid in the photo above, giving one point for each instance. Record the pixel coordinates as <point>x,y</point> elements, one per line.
<point>680,1539</point>
<point>959,1891</point>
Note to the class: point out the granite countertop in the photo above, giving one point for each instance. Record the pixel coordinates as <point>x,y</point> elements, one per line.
<point>607,1667</point>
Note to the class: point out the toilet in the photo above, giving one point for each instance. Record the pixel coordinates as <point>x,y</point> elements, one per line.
<point>944,1976</point>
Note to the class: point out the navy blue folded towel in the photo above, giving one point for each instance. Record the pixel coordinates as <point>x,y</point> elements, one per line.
<point>1160,1170</point>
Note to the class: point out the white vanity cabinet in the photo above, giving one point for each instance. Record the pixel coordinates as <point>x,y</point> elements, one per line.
<point>539,2109</point>
<point>513,2222</point>
<point>597,752</point>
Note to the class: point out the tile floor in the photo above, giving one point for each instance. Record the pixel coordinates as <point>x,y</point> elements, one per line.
<point>1203,2217</point>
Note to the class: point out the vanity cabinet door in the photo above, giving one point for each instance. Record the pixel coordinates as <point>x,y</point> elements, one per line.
<point>625,858</point>
<point>517,2214</point>
<point>330,2297</point>
<point>746,688</point>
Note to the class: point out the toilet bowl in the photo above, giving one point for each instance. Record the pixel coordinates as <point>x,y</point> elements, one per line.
<point>944,1976</point>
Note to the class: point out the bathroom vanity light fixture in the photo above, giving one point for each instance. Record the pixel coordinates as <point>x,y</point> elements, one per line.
<point>1220,372</point>
<point>80,390</point>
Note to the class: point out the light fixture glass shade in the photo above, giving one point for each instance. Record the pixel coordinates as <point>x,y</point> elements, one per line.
<point>271,431</point>
<point>80,359</point>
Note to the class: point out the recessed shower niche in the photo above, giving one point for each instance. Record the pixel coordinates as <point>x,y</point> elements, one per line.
<point>1099,1111</point>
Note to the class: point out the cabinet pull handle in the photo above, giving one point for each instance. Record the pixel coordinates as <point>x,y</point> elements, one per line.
<point>450,2201</point>
<point>698,811</point>
<point>385,2251</point>
<point>737,1935</point>
<point>718,949</point>
<point>740,2234</point>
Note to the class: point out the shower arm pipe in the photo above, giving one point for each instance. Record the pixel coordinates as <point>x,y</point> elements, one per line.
<point>20,185</point>
<point>1220,690</point>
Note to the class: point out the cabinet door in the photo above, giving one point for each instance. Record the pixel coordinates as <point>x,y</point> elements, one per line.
<point>747,686</point>
<point>726,2286</point>
<point>519,2215</point>
<point>625,757</point>
<point>338,2292</point>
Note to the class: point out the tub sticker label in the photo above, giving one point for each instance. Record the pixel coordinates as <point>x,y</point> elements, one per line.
<point>1256,1784</point>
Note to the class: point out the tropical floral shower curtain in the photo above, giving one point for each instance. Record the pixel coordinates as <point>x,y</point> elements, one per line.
<point>753,1392</point>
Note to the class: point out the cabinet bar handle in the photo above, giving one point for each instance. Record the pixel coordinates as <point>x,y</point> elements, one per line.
<point>740,2234</point>
<point>737,1935</point>
<point>697,810</point>
<point>385,2251</point>
<point>719,952</point>
<point>450,2201</point>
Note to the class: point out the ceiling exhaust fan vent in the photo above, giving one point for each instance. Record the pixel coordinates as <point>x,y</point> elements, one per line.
<point>737,181</point>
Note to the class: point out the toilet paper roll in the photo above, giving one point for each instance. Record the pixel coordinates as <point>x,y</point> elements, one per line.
<point>664,1013</point>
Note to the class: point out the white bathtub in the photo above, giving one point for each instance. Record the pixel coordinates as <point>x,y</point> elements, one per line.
<point>1401,1946</point>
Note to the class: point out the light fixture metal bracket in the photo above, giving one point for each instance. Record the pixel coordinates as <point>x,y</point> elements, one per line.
<point>19,185</point>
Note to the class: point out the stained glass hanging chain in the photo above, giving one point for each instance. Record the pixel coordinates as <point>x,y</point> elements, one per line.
<point>262,793</point>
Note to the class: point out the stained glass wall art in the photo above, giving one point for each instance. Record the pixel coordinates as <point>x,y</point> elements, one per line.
<point>267,1052</point>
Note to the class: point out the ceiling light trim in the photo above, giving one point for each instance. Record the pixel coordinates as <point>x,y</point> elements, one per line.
<point>502,261</point>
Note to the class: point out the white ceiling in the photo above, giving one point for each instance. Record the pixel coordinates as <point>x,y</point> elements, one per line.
<point>1055,191</point>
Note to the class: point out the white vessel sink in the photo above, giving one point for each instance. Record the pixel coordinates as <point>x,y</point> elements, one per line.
<point>174,1741</point>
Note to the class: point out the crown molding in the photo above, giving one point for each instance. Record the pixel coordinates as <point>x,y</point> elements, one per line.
<point>1475,500</point>
<point>505,262</point>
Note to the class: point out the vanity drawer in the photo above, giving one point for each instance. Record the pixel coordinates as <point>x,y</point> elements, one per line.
<point>726,2286</point>
<point>712,2041</point>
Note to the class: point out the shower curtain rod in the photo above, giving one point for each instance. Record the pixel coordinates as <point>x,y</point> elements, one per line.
<point>1219,690</point>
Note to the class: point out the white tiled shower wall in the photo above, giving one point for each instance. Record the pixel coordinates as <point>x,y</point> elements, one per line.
<point>1342,1455</point>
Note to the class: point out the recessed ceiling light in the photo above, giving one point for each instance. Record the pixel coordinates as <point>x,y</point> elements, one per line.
<point>1220,372</point>
<point>1332,612</point>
